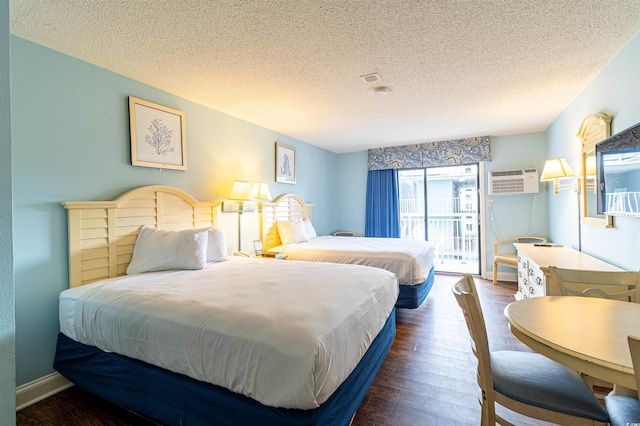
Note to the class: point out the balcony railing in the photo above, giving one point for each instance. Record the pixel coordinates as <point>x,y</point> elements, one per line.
<point>452,230</point>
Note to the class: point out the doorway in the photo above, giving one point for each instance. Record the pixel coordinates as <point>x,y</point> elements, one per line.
<point>441,205</point>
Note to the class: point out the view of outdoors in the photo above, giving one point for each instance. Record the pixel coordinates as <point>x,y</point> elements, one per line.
<point>440,204</point>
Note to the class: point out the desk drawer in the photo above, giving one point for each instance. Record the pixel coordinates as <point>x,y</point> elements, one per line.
<point>536,279</point>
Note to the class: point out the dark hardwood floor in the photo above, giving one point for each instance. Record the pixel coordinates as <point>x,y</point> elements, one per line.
<point>428,377</point>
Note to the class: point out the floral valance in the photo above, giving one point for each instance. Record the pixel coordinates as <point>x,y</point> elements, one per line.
<point>431,154</point>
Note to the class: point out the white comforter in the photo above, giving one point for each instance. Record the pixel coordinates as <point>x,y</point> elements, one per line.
<point>284,333</point>
<point>410,260</point>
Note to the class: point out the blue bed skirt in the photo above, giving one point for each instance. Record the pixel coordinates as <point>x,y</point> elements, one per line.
<point>175,399</point>
<point>412,296</point>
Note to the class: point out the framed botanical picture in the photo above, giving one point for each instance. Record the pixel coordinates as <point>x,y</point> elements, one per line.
<point>158,136</point>
<point>285,163</point>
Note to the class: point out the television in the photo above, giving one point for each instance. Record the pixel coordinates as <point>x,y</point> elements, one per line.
<point>618,173</point>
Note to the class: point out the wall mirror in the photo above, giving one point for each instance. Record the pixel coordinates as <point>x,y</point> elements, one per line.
<point>594,128</point>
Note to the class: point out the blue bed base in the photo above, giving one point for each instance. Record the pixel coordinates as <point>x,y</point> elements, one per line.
<point>175,399</point>
<point>412,296</point>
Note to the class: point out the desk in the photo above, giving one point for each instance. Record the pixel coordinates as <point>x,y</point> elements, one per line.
<point>534,262</point>
<point>584,333</point>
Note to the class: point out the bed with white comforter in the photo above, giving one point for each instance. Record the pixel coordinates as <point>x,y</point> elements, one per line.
<point>296,327</point>
<point>410,260</point>
<point>287,228</point>
<point>213,340</point>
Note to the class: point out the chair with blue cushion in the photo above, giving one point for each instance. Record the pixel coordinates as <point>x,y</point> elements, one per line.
<point>524,382</point>
<point>624,410</point>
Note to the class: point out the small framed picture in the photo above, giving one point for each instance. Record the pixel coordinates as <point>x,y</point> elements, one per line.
<point>257,247</point>
<point>285,163</point>
<point>158,136</point>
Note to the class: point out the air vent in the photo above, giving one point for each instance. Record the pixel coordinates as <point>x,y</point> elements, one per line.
<point>371,78</point>
<point>505,182</point>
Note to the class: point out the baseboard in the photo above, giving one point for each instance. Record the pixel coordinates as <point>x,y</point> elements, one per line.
<point>506,276</point>
<point>32,392</point>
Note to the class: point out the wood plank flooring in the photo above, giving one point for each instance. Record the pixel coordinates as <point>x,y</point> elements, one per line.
<point>428,377</point>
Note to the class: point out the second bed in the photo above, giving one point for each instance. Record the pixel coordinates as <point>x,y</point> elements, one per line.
<point>410,260</point>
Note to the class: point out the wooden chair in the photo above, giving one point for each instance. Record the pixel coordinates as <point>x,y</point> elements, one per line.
<point>525,382</point>
<point>624,410</point>
<point>619,285</point>
<point>509,259</point>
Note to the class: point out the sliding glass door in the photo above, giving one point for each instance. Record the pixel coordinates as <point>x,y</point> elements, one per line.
<point>440,204</point>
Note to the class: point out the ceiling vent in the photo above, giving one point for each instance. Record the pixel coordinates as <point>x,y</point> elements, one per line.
<point>524,181</point>
<point>371,78</point>
<point>382,90</point>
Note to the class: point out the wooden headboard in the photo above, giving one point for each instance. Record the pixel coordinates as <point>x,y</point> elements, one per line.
<point>102,233</point>
<point>285,208</point>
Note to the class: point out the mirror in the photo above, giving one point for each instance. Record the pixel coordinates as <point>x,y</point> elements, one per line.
<point>594,128</point>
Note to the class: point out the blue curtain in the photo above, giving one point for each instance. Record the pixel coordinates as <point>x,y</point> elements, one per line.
<point>382,217</point>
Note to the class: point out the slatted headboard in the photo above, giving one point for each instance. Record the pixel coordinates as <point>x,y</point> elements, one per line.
<point>285,208</point>
<point>102,233</point>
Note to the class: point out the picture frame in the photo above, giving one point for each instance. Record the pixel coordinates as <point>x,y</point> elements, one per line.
<point>158,135</point>
<point>285,163</point>
<point>257,247</point>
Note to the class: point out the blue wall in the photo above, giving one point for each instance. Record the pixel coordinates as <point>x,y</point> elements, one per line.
<point>616,92</point>
<point>515,215</point>
<point>70,130</point>
<point>351,192</point>
<point>7,310</point>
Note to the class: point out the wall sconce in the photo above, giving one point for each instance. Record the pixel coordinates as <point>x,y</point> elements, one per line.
<point>238,198</point>
<point>556,169</point>
<point>261,192</point>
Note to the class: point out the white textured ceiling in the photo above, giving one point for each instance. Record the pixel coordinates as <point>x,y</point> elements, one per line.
<point>458,68</point>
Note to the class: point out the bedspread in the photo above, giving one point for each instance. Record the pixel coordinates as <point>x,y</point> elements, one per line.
<point>286,334</point>
<point>410,260</point>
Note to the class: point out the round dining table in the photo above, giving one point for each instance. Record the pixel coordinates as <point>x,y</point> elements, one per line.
<point>586,334</point>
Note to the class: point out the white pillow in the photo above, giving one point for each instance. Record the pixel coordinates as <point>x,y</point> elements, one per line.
<point>158,250</point>
<point>216,246</point>
<point>292,232</point>
<point>311,232</point>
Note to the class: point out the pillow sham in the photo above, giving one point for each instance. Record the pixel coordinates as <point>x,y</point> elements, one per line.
<point>292,232</point>
<point>216,246</point>
<point>311,232</point>
<point>159,250</point>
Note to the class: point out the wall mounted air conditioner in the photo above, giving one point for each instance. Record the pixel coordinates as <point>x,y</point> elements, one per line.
<point>505,182</point>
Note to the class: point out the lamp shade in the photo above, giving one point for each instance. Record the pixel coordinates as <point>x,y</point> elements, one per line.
<point>241,191</point>
<point>261,191</point>
<point>556,168</point>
